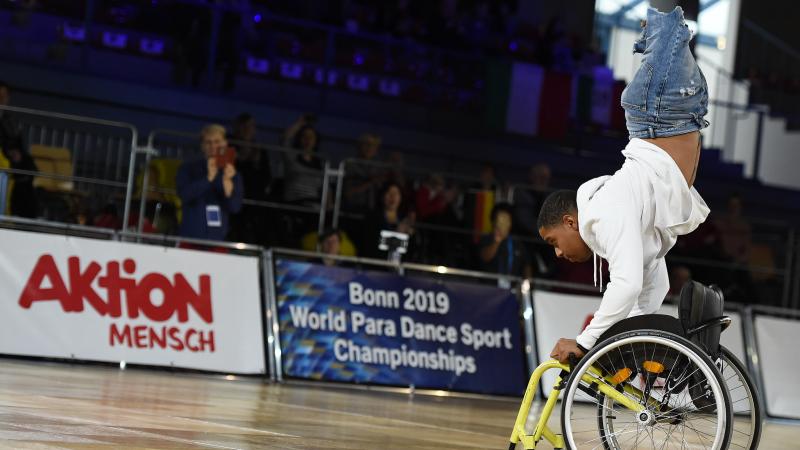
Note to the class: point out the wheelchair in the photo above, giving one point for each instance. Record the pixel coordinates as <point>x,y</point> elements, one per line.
<point>652,382</point>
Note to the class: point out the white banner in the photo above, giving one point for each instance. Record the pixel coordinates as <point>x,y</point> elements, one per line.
<point>777,352</point>
<point>68,297</point>
<point>559,316</point>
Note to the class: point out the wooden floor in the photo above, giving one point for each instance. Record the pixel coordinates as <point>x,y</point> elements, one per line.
<point>50,405</point>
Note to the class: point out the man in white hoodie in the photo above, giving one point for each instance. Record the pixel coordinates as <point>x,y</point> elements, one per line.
<point>632,218</point>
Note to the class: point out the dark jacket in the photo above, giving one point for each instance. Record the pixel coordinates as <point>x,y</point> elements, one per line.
<point>196,193</point>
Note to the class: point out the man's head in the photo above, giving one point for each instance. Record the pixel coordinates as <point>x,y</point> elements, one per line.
<point>5,93</point>
<point>329,242</point>
<point>368,145</point>
<point>558,225</point>
<point>539,176</point>
<point>244,127</point>
<point>212,140</point>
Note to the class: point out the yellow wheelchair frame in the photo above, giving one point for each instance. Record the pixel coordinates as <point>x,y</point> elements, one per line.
<point>591,376</point>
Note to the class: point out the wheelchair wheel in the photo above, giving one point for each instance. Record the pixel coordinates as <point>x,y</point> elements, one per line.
<point>655,371</point>
<point>747,418</point>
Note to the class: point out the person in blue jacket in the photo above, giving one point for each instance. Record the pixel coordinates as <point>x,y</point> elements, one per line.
<point>209,194</point>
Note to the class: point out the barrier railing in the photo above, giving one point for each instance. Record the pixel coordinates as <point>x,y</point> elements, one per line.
<point>72,146</point>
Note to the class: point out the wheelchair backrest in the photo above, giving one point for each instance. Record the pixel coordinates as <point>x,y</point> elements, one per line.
<point>699,305</point>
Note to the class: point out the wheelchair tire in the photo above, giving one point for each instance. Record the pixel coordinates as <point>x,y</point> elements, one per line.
<point>670,417</point>
<point>747,418</point>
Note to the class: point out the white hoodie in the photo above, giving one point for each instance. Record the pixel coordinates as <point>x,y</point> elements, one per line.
<point>632,219</point>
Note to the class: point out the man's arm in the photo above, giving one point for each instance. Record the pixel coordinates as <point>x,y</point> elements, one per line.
<point>654,289</point>
<point>621,233</point>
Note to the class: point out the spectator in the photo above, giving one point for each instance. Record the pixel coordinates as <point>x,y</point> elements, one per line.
<point>330,245</point>
<point>9,128</point>
<point>209,193</point>
<point>303,171</point>
<point>396,174</point>
<point>528,200</point>
<point>735,231</point>
<point>499,252</point>
<point>735,234</point>
<point>389,216</point>
<point>436,205</point>
<point>434,199</point>
<point>252,163</point>
<point>362,178</point>
<point>23,201</point>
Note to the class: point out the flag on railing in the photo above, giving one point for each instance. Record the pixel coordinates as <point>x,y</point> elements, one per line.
<point>482,215</point>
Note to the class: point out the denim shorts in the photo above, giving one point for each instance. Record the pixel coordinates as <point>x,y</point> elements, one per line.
<point>668,95</point>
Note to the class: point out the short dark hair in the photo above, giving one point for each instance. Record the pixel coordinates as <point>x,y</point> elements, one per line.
<point>328,233</point>
<point>555,206</point>
<point>243,118</point>
<point>502,207</point>
<point>3,84</point>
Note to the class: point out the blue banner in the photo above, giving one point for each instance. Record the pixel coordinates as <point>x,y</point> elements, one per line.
<point>342,324</point>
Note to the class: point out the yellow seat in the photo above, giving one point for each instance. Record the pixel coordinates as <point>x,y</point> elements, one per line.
<point>53,160</point>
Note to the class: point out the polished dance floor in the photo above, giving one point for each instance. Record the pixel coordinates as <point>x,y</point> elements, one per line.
<point>52,406</point>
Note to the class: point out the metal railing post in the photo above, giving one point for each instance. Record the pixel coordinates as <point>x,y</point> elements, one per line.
<point>337,203</point>
<point>787,272</point>
<point>757,152</point>
<point>131,173</point>
<point>531,352</point>
<point>273,324</point>
<point>268,299</point>
<point>149,151</point>
<point>323,202</point>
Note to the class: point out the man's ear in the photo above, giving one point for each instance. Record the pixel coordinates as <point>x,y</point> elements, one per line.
<point>570,221</point>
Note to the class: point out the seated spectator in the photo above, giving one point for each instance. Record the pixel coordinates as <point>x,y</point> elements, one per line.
<point>23,200</point>
<point>302,172</point>
<point>499,252</point>
<point>389,216</point>
<point>330,244</point>
<point>209,193</point>
<point>363,180</point>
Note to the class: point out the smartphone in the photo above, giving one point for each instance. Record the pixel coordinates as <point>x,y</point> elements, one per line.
<point>227,156</point>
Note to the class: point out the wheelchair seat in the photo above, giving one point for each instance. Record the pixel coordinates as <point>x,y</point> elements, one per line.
<point>700,318</point>
<point>701,314</point>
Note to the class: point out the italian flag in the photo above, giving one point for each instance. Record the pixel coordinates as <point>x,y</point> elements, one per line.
<point>527,99</point>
